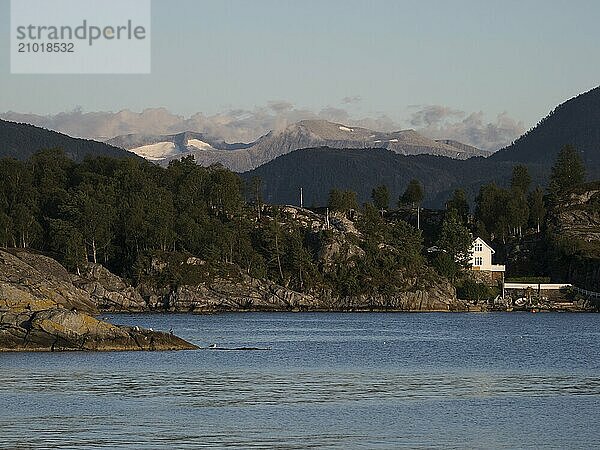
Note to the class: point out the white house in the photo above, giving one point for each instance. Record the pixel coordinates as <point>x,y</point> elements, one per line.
<point>481,257</point>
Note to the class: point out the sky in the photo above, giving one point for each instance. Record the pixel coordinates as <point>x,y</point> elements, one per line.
<point>391,61</point>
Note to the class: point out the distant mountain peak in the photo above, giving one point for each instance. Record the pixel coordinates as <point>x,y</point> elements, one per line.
<point>318,170</point>
<point>299,135</point>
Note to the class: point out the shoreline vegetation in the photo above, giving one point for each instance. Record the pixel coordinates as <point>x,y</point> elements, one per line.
<point>124,235</point>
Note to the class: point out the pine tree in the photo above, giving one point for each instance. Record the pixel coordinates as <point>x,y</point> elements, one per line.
<point>517,212</point>
<point>19,201</point>
<point>336,200</point>
<point>6,230</point>
<point>413,195</point>
<point>568,171</point>
<point>459,203</point>
<point>381,197</point>
<point>492,208</point>
<point>537,208</point>
<point>256,195</point>
<point>342,201</point>
<point>67,241</point>
<point>521,179</point>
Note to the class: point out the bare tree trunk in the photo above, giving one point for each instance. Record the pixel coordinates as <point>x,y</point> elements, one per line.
<point>278,258</point>
<point>94,251</point>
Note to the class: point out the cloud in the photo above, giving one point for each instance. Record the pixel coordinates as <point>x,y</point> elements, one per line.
<point>430,115</point>
<point>101,125</point>
<point>352,100</point>
<point>281,106</point>
<point>246,125</point>
<point>235,125</point>
<point>335,115</point>
<point>442,122</point>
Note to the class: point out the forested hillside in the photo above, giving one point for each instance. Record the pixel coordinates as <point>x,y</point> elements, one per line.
<point>188,225</point>
<point>575,122</point>
<point>318,170</point>
<point>127,213</point>
<point>20,141</point>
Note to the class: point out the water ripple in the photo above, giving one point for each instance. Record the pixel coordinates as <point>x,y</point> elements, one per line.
<point>332,381</point>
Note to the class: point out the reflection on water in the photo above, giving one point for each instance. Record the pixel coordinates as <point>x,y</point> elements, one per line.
<point>330,380</point>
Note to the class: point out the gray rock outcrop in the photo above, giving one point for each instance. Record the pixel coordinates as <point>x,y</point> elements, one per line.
<point>108,291</point>
<point>58,329</point>
<point>41,310</point>
<point>37,282</point>
<point>250,294</point>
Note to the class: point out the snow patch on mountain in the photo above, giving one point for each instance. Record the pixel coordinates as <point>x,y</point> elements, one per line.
<point>156,152</point>
<point>240,157</point>
<point>201,145</point>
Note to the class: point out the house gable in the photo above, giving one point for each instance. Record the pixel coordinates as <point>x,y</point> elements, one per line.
<point>484,244</point>
<point>481,257</point>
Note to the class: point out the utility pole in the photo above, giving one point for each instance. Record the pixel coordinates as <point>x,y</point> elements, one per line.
<point>301,199</point>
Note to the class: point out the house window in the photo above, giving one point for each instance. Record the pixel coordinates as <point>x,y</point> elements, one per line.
<point>478,261</point>
<point>478,247</point>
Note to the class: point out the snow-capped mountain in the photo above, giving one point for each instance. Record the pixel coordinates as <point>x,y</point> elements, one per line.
<point>163,148</point>
<point>304,134</point>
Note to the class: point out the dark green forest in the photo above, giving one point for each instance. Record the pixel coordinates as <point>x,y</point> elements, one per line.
<point>21,140</point>
<point>122,213</point>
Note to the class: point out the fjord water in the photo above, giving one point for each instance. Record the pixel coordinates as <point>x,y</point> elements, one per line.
<point>516,380</point>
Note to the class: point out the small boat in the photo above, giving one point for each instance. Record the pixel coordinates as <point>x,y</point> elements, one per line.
<point>212,346</point>
<point>520,302</point>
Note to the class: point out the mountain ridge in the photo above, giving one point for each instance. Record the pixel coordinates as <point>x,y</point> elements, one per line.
<point>302,134</point>
<point>21,140</point>
<point>575,122</point>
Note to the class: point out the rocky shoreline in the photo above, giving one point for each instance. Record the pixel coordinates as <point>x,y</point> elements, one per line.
<point>244,293</point>
<point>41,310</point>
<point>59,329</point>
<point>45,308</point>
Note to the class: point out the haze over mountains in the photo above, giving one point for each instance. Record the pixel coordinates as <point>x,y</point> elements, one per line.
<point>248,125</point>
<point>304,134</point>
